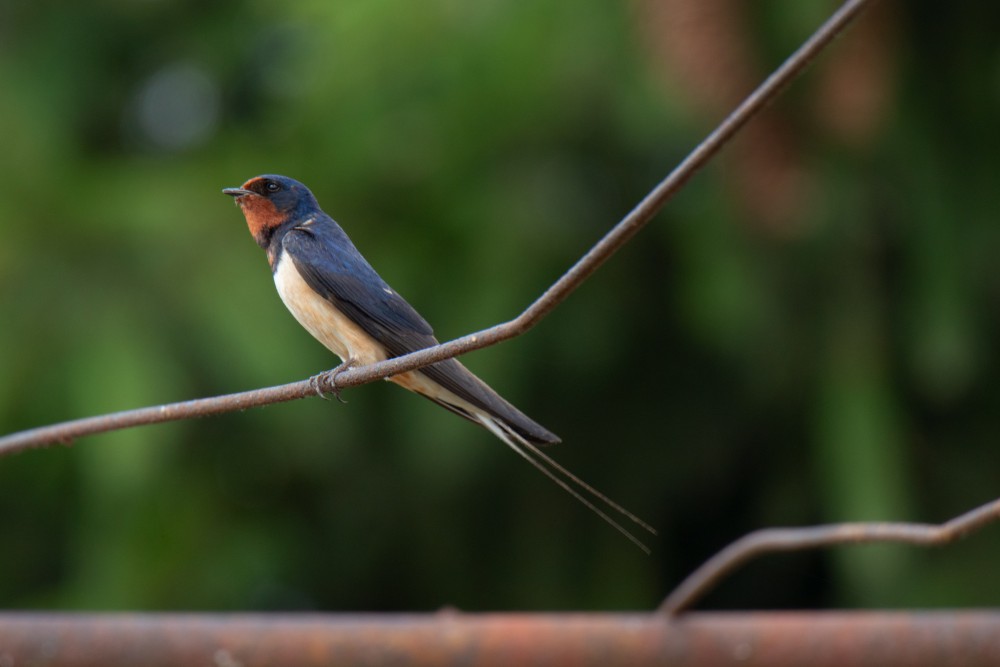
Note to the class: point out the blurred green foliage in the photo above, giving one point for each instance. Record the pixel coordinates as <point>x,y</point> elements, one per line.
<point>714,377</point>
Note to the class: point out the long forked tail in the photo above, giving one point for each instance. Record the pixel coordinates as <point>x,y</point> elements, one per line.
<point>455,388</point>
<point>564,478</point>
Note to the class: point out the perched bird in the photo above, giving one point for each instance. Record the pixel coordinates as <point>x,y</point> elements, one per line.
<point>337,296</point>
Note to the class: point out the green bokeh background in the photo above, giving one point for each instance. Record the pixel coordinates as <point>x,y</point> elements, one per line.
<point>713,377</point>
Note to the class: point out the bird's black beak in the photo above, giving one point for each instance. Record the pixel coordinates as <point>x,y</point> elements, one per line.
<point>236,192</point>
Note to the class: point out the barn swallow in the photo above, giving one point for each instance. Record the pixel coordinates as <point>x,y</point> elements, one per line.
<point>338,297</point>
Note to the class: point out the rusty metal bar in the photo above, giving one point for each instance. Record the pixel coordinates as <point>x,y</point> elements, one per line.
<point>774,639</point>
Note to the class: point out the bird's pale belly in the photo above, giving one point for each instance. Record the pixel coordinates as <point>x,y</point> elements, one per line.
<point>321,319</point>
<point>345,338</point>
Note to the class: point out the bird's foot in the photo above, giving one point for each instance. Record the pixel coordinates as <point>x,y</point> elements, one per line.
<point>330,378</point>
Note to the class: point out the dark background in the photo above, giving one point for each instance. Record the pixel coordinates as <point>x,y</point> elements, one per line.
<point>806,334</point>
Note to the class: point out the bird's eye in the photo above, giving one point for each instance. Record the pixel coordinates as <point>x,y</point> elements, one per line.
<point>271,186</point>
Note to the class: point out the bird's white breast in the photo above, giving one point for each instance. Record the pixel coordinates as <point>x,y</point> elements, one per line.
<point>320,318</point>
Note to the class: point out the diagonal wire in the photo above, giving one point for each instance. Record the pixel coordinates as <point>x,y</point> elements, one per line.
<point>617,237</point>
<point>779,540</point>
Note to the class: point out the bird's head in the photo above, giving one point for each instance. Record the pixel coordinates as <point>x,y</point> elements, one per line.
<point>269,201</point>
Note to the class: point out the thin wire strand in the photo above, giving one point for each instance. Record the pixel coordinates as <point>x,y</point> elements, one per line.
<point>777,540</point>
<point>619,235</point>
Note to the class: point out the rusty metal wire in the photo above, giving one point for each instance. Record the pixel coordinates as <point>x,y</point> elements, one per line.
<point>577,274</point>
<point>773,639</point>
<point>776,540</point>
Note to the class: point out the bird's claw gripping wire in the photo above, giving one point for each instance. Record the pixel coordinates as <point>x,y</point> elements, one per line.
<point>330,377</point>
